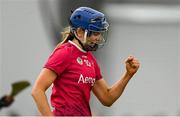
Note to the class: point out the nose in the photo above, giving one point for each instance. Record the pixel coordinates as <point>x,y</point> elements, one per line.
<point>96,40</point>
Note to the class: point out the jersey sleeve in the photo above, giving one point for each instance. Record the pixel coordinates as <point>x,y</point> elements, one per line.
<point>58,60</point>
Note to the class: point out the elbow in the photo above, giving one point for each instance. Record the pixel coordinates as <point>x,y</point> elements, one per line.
<point>107,103</point>
<point>37,91</point>
<point>107,100</point>
<point>33,93</point>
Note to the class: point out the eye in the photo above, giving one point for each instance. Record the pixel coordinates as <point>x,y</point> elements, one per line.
<point>96,33</point>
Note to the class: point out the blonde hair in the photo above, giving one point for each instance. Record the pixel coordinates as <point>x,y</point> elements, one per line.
<point>66,35</point>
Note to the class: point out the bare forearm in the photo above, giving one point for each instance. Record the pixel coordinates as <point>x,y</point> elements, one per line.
<point>108,96</point>
<point>117,89</point>
<point>132,65</point>
<point>42,103</point>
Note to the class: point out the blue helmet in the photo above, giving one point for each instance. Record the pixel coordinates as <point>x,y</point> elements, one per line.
<point>88,19</point>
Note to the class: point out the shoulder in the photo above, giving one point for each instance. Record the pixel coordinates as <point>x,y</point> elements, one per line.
<point>93,59</point>
<point>62,52</point>
<point>63,49</point>
<point>92,56</point>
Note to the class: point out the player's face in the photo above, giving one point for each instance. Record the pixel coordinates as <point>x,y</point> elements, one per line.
<point>95,38</point>
<point>92,42</point>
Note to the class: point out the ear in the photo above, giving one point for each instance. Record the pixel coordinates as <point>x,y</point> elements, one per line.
<point>80,33</point>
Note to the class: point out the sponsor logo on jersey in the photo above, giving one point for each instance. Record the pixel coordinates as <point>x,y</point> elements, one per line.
<point>86,80</point>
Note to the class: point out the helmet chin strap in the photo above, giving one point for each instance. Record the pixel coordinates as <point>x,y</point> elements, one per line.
<point>85,36</point>
<point>83,43</point>
<point>84,40</point>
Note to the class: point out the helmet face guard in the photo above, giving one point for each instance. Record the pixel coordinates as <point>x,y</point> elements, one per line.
<point>91,21</point>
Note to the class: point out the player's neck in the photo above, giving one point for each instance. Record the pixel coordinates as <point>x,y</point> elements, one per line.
<point>77,43</point>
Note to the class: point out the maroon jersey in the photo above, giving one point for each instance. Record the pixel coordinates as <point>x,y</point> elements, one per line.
<point>77,71</point>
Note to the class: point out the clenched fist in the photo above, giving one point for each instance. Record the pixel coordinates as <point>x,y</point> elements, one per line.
<point>132,65</point>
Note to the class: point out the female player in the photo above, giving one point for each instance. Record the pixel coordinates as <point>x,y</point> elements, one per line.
<point>74,72</point>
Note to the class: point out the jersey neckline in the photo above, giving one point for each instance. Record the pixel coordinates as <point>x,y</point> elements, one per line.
<point>77,46</point>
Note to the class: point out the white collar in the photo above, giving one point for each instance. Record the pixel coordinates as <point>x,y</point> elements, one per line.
<point>77,46</point>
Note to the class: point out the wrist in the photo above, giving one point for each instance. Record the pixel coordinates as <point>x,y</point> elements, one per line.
<point>128,75</point>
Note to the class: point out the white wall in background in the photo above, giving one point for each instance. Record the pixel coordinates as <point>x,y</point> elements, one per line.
<point>0,45</point>
<point>154,89</point>
<point>152,34</point>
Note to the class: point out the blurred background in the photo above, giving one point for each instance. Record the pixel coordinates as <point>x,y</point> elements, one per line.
<point>147,29</point>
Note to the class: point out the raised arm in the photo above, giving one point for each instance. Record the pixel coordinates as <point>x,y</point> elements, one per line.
<point>108,95</point>
<point>43,82</point>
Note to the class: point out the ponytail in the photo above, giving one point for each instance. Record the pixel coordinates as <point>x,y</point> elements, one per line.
<point>66,35</point>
